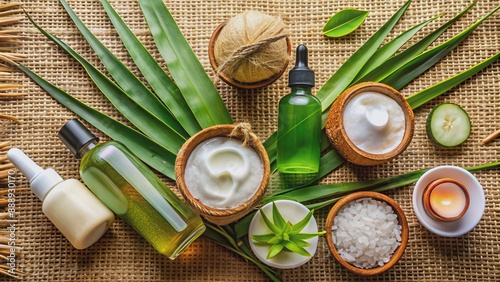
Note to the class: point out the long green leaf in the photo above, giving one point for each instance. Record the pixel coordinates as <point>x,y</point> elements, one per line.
<point>391,65</point>
<point>135,113</point>
<point>160,82</point>
<point>409,71</point>
<point>390,48</point>
<point>130,84</point>
<point>341,79</point>
<point>147,150</point>
<point>344,22</point>
<point>429,93</point>
<point>187,71</point>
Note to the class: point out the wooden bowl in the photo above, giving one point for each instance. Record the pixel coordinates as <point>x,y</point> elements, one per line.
<point>338,136</point>
<point>216,215</point>
<point>231,81</point>
<point>402,221</point>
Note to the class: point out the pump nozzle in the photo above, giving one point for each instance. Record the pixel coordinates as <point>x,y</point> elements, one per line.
<point>41,180</point>
<point>301,74</point>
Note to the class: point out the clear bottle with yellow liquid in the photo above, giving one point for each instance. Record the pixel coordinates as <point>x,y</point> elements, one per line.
<point>132,191</point>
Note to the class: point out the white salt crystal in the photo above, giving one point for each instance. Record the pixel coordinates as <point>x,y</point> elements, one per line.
<point>366,233</point>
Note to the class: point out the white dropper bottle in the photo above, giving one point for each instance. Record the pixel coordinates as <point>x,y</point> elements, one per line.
<point>71,207</point>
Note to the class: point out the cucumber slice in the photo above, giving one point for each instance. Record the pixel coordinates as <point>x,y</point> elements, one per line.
<point>448,125</point>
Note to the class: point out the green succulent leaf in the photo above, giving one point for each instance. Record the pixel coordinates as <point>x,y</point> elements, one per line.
<point>264,238</point>
<point>275,250</point>
<point>278,219</point>
<point>300,242</point>
<point>291,246</point>
<point>344,22</point>
<point>297,227</point>
<point>270,224</point>
<point>305,236</point>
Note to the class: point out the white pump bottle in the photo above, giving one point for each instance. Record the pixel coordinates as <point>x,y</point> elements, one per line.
<point>71,207</point>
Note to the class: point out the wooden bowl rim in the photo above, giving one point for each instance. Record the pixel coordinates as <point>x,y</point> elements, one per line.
<point>235,83</point>
<point>386,90</point>
<point>398,253</point>
<point>205,134</point>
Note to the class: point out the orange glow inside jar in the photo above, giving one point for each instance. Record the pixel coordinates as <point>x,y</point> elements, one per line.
<point>446,199</point>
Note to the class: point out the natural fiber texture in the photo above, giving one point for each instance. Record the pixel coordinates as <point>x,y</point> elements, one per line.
<point>241,132</point>
<point>251,47</point>
<point>121,255</point>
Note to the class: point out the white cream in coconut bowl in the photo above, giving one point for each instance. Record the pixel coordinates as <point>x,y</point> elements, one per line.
<point>374,122</point>
<point>221,173</point>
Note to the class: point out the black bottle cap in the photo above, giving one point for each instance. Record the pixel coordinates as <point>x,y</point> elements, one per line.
<point>301,74</point>
<point>75,136</point>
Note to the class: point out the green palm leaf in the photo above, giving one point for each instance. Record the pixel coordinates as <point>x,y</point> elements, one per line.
<point>160,82</point>
<point>187,71</point>
<point>130,84</point>
<point>134,112</point>
<point>147,150</point>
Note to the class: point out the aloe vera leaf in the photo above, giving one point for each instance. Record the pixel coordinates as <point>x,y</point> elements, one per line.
<point>134,112</point>
<point>412,69</point>
<point>160,82</point>
<point>429,93</point>
<point>278,219</point>
<point>144,148</point>
<point>391,65</point>
<point>341,79</point>
<point>389,49</point>
<point>344,22</point>
<point>187,71</point>
<point>130,84</point>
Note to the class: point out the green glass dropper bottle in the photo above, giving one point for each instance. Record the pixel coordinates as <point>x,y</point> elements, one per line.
<point>299,121</point>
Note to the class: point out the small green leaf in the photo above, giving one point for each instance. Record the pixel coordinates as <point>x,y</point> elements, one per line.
<point>274,250</point>
<point>297,249</point>
<point>300,242</point>
<point>278,219</point>
<point>344,22</point>
<point>296,228</point>
<point>305,236</point>
<point>264,238</point>
<point>269,224</point>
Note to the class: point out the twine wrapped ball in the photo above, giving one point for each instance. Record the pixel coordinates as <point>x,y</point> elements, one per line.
<point>250,48</point>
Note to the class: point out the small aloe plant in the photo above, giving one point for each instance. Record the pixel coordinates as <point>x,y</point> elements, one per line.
<point>286,235</point>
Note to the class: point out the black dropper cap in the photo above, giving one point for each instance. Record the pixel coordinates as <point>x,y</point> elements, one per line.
<point>75,136</point>
<point>301,74</point>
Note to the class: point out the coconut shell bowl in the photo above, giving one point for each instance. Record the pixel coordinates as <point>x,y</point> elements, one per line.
<point>396,255</point>
<point>217,215</point>
<point>235,83</point>
<point>337,134</point>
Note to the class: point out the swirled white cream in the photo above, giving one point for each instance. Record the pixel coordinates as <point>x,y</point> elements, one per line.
<point>221,173</point>
<point>374,122</point>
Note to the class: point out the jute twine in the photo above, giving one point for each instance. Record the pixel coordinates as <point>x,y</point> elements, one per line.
<point>251,47</point>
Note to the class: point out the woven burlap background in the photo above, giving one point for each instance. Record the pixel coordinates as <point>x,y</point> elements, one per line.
<point>122,255</point>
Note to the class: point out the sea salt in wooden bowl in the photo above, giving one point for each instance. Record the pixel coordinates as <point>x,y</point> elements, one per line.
<point>338,134</point>
<point>221,216</point>
<point>396,255</point>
